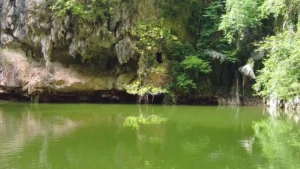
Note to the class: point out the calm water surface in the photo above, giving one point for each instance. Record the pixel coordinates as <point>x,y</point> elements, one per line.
<point>82,136</point>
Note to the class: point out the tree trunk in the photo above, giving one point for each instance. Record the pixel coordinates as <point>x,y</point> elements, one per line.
<point>139,99</point>
<point>237,91</point>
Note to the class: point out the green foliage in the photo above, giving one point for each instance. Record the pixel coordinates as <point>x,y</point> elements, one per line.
<point>193,58</point>
<point>209,36</point>
<point>88,9</point>
<point>135,122</point>
<point>184,83</point>
<point>187,69</point>
<point>280,77</point>
<point>277,138</point>
<point>136,88</point>
<point>240,15</point>
<point>193,63</point>
<point>285,8</point>
<point>176,50</point>
<point>151,36</point>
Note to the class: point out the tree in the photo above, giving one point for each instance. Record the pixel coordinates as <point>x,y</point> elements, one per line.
<point>280,76</point>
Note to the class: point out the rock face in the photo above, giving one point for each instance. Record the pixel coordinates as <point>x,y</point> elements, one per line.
<point>31,26</point>
<point>43,53</point>
<point>18,72</point>
<point>288,106</point>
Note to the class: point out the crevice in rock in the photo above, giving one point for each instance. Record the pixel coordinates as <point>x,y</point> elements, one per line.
<point>22,16</point>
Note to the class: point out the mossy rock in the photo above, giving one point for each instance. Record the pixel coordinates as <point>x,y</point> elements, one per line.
<point>124,79</point>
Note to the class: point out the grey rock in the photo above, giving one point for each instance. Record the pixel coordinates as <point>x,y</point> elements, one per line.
<point>33,35</point>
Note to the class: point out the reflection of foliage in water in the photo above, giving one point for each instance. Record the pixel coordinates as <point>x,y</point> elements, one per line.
<point>135,121</point>
<point>280,142</point>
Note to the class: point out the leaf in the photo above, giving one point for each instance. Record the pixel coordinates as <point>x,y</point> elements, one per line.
<point>216,55</point>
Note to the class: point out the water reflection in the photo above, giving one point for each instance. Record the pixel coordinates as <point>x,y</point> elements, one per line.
<point>136,121</point>
<point>96,136</point>
<point>279,139</point>
<point>29,127</point>
<point>247,144</point>
<point>18,130</point>
<point>39,136</point>
<point>293,115</point>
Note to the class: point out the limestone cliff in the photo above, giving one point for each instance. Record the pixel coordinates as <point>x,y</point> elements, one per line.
<point>43,53</point>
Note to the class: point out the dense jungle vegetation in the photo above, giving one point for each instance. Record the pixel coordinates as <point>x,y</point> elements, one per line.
<point>213,47</point>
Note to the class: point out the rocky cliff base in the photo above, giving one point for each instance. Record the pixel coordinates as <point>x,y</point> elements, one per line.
<point>23,79</point>
<point>277,106</point>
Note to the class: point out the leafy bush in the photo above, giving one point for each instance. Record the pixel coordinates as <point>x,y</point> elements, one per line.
<point>280,77</point>
<point>195,64</point>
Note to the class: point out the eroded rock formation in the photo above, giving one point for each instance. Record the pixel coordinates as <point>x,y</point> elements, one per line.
<point>44,54</point>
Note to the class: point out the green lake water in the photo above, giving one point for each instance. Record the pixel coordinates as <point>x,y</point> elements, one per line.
<point>91,136</point>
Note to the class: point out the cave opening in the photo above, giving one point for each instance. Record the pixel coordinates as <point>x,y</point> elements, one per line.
<point>159,58</point>
<point>156,99</point>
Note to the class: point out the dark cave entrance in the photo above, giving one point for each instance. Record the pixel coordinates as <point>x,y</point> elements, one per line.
<point>159,57</point>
